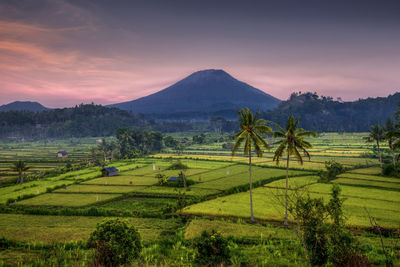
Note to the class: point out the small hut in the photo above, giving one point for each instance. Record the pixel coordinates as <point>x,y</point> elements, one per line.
<point>174,179</point>
<point>62,154</point>
<point>110,171</point>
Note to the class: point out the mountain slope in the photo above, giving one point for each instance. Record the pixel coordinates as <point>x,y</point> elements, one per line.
<point>207,90</point>
<point>23,106</point>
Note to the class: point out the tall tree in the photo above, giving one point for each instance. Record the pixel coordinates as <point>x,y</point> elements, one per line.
<point>20,167</point>
<point>125,140</point>
<point>291,142</point>
<point>104,147</point>
<point>376,134</point>
<point>250,129</point>
<point>392,134</point>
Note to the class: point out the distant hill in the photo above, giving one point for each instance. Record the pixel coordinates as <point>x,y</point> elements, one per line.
<point>203,91</point>
<point>79,121</point>
<point>23,105</point>
<point>325,114</point>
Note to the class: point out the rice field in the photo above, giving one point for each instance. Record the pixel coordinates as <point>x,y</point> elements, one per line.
<point>50,229</point>
<point>67,199</point>
<point>219,189</point>
<point>383,204</point>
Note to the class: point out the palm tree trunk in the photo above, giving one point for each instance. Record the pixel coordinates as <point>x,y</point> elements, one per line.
<point>393,158</point>
<point>251,187</point>
<point>286,191</point>
<point>379,152</point>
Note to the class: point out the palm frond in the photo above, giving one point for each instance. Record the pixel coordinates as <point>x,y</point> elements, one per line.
<point>279,152</point>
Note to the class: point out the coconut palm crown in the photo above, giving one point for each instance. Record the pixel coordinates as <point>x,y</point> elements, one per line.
<point>291,141</point>
<point>250,129</point>
<point>20,167</point>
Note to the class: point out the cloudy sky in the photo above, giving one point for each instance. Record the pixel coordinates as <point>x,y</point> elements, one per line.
<point>63,53</point>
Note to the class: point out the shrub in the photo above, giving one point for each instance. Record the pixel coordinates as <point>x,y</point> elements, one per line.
<point>180,183</point>
<point>322,231</point>
<point>162,179</point>
<point>333,169</point>
<point>390,170</point>
<point>310,215</point>
<point>177,166</point>
<point>212,249</point>
<point>115,242</point>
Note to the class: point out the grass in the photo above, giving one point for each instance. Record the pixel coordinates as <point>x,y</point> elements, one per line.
<point>227,228</point>
<point>370,170</point>
<point>89,188</point>
<point>123,180</point>
<point>67,200</point>
<point>373,178</point>
<point>362,182</point>
<point>316,163</point>
<point>48,229</point>
<point>294,182</point>
<point>268,205</point>
<point>148,205</point>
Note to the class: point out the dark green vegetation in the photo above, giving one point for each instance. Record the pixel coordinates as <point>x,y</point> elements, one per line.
<point>80,121</point>
<point>323,114</point>
<point>115,242</point>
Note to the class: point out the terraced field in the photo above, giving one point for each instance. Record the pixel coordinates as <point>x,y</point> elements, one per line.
<point>41,156</point>
<point>218,198</point>
<point>70,228</point>
<point>381,200</point>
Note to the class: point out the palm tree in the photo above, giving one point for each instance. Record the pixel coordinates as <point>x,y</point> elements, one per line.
<point>125,140</point>
<point>291,141</point>
<point>20,167</point>
<point>392,135</point>
<point>250,128</point>
<point>104,147</point>
<point>376,134</point>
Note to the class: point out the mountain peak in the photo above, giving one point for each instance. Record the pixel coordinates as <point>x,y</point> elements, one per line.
<point>23,105</point>
<point>205,90</point>
<point>207,75</point>
<point>215,72</point>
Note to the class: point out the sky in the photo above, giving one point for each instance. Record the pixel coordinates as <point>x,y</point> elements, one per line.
<point>67,52</point>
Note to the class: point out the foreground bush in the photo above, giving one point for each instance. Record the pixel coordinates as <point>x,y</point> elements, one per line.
<point>115,242</point>
<point>322,232</point>
<point>212,249</point>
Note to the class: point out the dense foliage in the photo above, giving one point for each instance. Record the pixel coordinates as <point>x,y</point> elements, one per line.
<point>333,169</point>
<point>323,114</point>
<point>321,229</point>
<point>212,249</point>
<point>79,121</point>
<point>134,143</point>
<point>115,242</point>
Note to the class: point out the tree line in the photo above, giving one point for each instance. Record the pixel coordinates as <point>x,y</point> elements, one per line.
<point>389,133</point>
<point>324,114</point>
<point>79,121</point>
